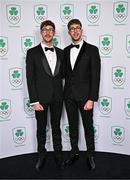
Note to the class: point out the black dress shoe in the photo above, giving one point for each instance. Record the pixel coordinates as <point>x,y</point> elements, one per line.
<point>59,159</point>
<point>72,159</point>
<point>40,162</point>
<point>59,162</point>
<point>91,163</point>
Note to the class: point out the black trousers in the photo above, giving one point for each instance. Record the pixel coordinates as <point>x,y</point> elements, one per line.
<point>73,107</point>
<point>55,116</point>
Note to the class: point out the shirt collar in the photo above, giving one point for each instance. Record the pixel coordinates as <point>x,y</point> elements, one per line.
<point>44,45</point>
<point>80,43</point>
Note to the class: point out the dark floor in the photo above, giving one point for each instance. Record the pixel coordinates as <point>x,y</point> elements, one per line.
<point>108,166</point>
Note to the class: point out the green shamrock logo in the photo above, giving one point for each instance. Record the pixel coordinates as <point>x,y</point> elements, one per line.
<point>67,129</point>
<point>67,10</point>
<point>2,43</point>
<point>118,73</point>
<point>4,106</point>
<point>128,105</point>
<point>16,74</point>
<point>13,11</point>
<point>120,8</point>
<point>40,11</point>
<point>105,102</point>
<point>19,132</point>
<point>105,41</point>
<point>117,132</point>
<point>28,43</point>
<point>93,10</point>
<point>55,41</point>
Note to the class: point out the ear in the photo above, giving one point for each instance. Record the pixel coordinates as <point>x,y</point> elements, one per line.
<point>81,31</point>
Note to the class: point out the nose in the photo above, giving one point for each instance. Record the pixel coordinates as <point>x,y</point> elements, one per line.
<point>75,30</point>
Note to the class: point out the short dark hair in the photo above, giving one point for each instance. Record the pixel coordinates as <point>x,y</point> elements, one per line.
<point>47,23</point>
<point>74,21</point>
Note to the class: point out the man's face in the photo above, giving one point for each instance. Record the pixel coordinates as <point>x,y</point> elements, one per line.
<point>47,33</point>
<point>75,31</point>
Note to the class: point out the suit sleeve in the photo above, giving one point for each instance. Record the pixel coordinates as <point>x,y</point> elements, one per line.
<point>95,75</point>
<point>30,75</point>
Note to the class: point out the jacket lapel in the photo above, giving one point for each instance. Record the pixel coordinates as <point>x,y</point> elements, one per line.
<point>58,63</point>
<point>83,48</point>
<point>45,62</point>
<point>46,65</point>
<point>68,57</point>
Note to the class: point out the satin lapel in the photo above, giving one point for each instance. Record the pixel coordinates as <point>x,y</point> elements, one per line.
<point>83,48</point>
<point>68,58</point>
<point>58,62</point>
<point>45,62</point>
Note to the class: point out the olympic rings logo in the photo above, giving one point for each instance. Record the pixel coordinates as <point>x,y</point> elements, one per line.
<point>118,80</point>
<point>120,16</point>
<point>2,50</point>
<point>18,139</point>
<point>128,47</point>
<point>16,81</point>
<point>128,110</point>
<point>25,49</point>
<point>94,17</point>
<point>14,18</point>
<point>107,49</point>
<point>41,18</point>
<point>67,17</point>
<point>118,138</point>
<point>30,110</point>
<point>106,109</point>
<point>4,113</point>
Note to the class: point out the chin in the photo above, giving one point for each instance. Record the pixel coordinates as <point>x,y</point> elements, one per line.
<point>48,40</point>
<point>76,39</point>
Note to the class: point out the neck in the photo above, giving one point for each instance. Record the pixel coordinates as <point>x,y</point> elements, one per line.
<point>48,44</point>
<point>77,41</point>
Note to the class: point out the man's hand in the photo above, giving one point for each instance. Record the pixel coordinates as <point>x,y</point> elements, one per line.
<point>38,107</point>
<point>88,105</point>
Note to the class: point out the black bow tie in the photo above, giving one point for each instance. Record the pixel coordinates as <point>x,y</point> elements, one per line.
<point>74,45</point>
<point>51,49</point>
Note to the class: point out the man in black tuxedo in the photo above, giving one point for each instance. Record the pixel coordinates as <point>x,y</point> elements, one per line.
<point>44,80</point>
<point>82,76</point>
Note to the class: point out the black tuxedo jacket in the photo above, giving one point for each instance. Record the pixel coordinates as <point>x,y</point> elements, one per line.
<point>83,81</point>
<point>42,84</point>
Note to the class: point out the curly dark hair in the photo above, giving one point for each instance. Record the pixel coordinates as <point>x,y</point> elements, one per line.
<point>46,23</point>
<point>74,21</point>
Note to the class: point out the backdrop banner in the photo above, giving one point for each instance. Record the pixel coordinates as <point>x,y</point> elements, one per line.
<point>106,24</point>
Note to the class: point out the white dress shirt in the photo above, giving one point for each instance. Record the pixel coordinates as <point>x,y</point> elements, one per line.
<point>74,53</point>
<point>51,57</point>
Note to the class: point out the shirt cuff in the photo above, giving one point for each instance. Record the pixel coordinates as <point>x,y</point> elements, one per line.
<point>34,103</point>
